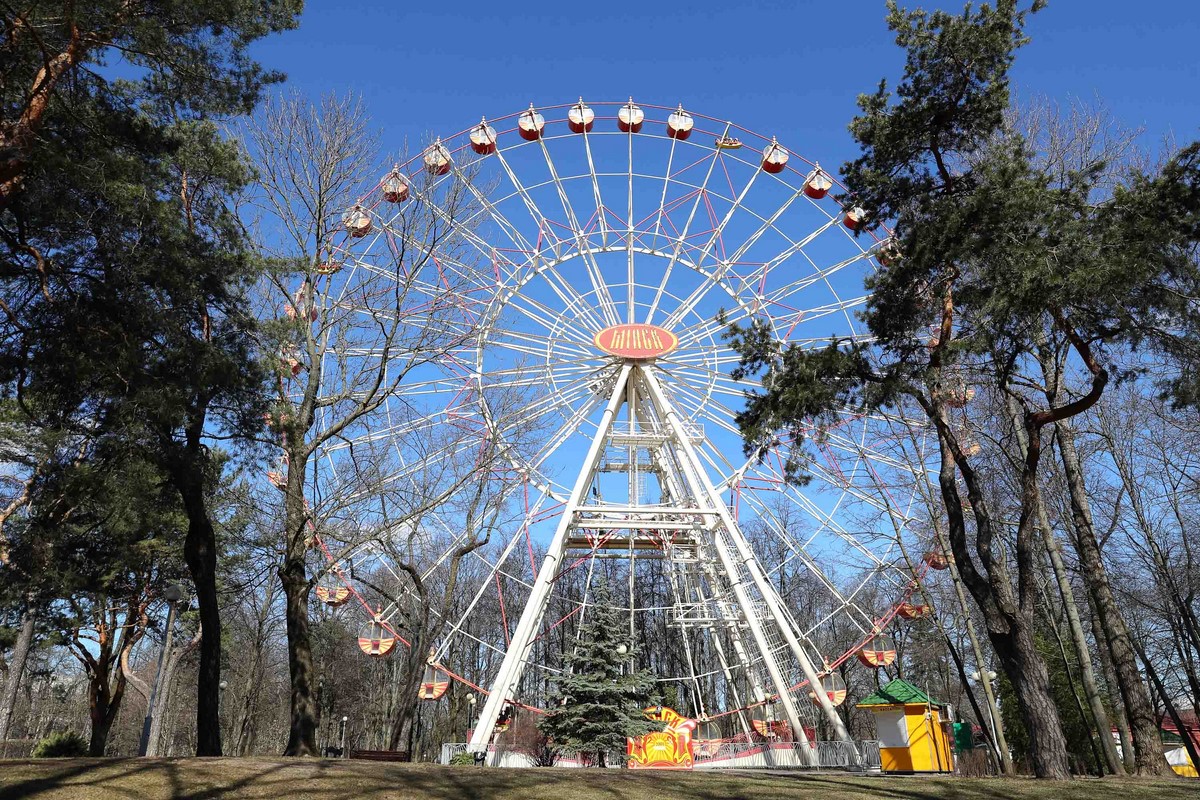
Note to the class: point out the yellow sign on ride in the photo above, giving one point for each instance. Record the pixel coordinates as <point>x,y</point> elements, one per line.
<point>636,340</point>
<point>670,748</point>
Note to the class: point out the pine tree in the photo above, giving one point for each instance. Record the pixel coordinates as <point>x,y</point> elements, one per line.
<point>993,259</point>
<point>123,267</point>
<point>598,703</point>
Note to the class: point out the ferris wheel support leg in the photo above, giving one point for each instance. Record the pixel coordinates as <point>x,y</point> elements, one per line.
<point>702,488</point>
<point>515,657</point>
<point>775,603</point>
<point>747,728</point>
<point>769,595</point>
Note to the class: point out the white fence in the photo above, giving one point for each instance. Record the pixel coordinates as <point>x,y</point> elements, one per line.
<point>859,756</point>
<point>787,755</point>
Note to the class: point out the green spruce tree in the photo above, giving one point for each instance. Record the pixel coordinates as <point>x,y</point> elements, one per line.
<point>599,701</point>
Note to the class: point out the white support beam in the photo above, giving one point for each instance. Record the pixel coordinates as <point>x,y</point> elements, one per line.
<point>765,588</point>
<point>702,487</point>
<point>515,657</point>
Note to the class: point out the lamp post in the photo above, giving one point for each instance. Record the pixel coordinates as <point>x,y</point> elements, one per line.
<point>342,737</point>
<point>986,678</point>
<point>172,594</point>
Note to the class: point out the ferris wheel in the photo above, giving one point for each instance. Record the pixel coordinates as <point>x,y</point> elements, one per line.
<point>579,417</point>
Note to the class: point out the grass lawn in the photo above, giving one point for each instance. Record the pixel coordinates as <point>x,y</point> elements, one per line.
<point>209,779</point>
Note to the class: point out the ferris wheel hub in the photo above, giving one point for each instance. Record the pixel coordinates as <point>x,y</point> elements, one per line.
<point>636,341</point>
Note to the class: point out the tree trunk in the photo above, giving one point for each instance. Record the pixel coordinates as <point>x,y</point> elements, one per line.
<point>16,671</point>
<point>101,713</point>
<point>1148,757</point>
<point>166,691</point>
<point>200,553</point>
<point>1087,673</point>
<point>302,734</point>
<point>1189,743</point>
<point>104,693</point>
<point>1105,656</point>
<point>999,743</point>
<point>1009,619</point>
<point>410,680</point>
<point>1030,679</point>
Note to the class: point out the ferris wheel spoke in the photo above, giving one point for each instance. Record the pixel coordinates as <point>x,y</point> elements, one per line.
<point>825,519</point>
<point>662,202</point>
<point>794,316</point>
<point>554,359</point>
<point>769,516</point>
<point>415,469</point>
<point>722,267</point>
<point>591,266</point>
<point>767,224</point>
<point>717,387</point>
<point>529,414</point>
<point>700,406</point>
<point>431,252</point>
<point>691,338</point>
<point>562,369</point>
<point>601,218</point>
<point>820,275</point>
<point>511,231</point>
<point>544,316</point>
<point>759,277</point>
<point>462,227</point>
<point>493,568</point>
<point>630,276</point>
<point>687,226</point>
<point>861,450</point>
<point>544,228</point>
<point>571,297</point>
<point>572,426</point>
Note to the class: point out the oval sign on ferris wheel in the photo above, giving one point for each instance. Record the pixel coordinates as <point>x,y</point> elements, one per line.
<point>636,340</point>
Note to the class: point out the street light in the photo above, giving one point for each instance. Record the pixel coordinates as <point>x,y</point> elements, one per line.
<point>342,738</point>
<point>990,675</point>
<point>172,594</point>
<point>622,649</point>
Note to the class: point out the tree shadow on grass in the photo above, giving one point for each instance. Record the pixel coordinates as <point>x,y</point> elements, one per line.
<point>68,770</point>
<point>293,779</point>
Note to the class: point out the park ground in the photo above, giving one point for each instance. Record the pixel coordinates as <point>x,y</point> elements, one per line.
<point>217,779</point>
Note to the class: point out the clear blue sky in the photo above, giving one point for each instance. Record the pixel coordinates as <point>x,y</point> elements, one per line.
<point>782,68</point>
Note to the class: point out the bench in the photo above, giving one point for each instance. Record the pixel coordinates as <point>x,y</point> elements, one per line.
<point>381,755</point>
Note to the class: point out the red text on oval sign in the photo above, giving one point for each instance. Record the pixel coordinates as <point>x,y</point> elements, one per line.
<point>636,340</point>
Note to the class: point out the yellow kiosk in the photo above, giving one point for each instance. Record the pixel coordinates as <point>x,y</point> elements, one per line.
<point>909,726</point>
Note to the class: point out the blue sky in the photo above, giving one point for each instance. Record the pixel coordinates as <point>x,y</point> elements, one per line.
<point>790,69</point>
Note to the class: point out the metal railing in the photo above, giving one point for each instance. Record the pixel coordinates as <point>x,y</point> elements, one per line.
<point>856,756</point>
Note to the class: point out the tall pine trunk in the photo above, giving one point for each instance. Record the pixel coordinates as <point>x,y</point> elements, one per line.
<point>1148,756</point>
<point>1087,672</point>
<point>101,712</point>
<point>1009,618</point>
<point>1071,608</point>
<point>16,672</point>
<point>200,553</point>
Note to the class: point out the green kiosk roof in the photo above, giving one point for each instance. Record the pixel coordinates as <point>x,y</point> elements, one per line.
<point>899,692</point>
